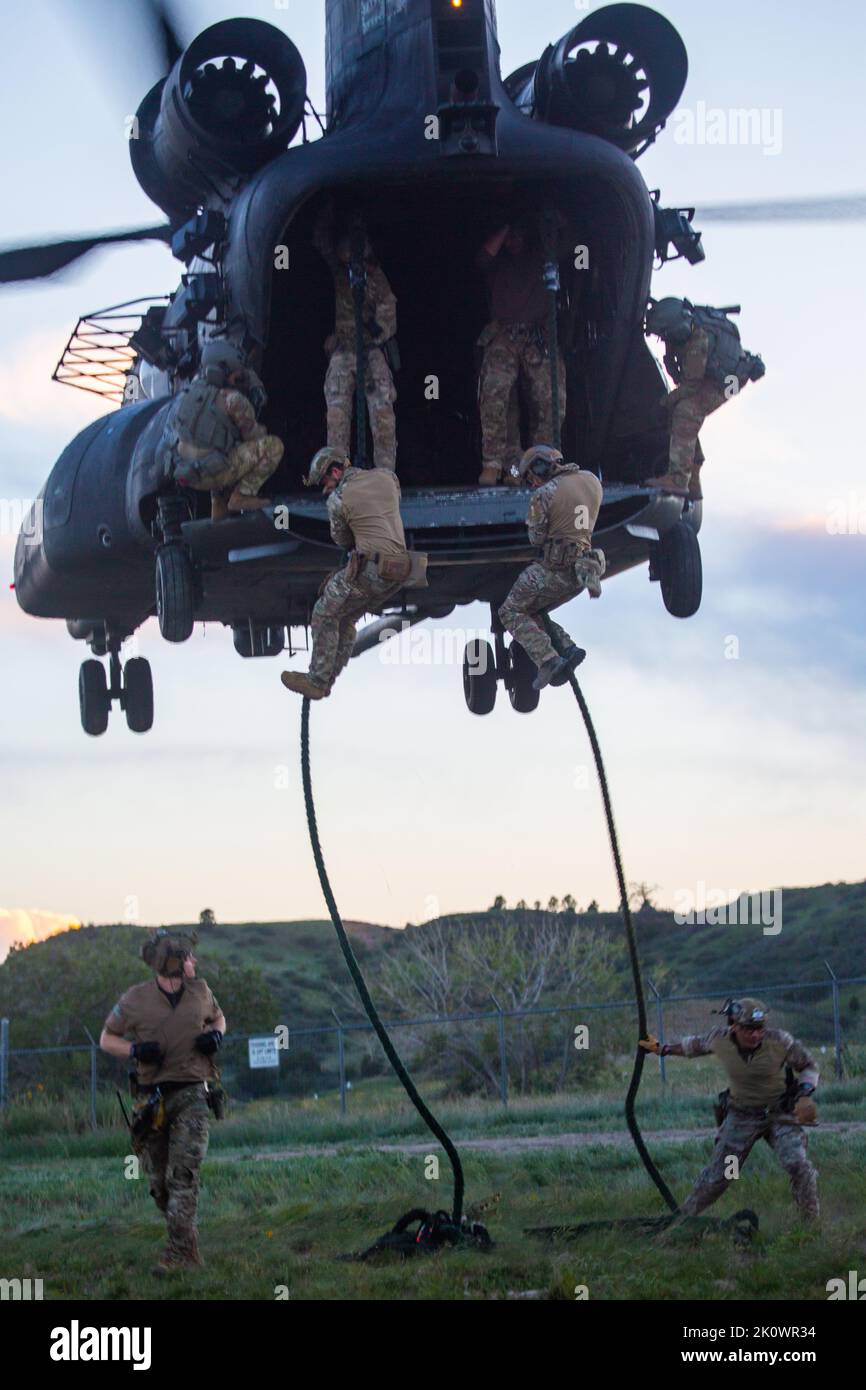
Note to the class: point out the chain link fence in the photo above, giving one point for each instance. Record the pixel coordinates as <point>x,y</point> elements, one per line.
<point>496,1053</point>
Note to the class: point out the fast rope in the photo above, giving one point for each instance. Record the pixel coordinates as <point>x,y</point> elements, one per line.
<point>358,282</point>
<point>436,1228</point>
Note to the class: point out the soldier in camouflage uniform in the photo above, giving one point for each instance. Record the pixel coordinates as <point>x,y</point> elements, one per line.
<point>515,351</point>
<point>212,439</point>
<point>380,325</point>
<point>699,390</point>
<point>364,514</point>
<point>562,514</point>
<point>170,1027</point>
<point>772,1080</point>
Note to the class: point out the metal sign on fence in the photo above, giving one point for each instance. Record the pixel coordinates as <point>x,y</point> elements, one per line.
<point>263,1052</point>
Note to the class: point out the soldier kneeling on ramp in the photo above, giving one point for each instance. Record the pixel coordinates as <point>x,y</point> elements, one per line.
<point>170,1029</point>
<point>212,438</point>
<point>562,513</point>
<point>364,515</point>
<point>772,1080</point>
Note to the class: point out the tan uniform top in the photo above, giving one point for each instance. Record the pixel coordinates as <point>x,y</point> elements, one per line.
<point>144,1014</point>
<point>688,364</point>
<point>515,285</point>
<point>566,508</point>
<point>380,302</point>
<point>240,412</point>
<point>364,512</point>
<point>755,1078</point>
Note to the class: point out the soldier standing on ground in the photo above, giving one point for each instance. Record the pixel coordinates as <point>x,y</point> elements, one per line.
<point>562,514</point>
<point>170,1028</point>
<point>772,1079</point>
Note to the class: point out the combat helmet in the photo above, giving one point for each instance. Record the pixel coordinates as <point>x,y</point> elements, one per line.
<point>542,460</point>
<point>165,952</point>
<point>321,462</point>
<point>219,358</point>
<point>751,1012</point>
<point>669,319</point>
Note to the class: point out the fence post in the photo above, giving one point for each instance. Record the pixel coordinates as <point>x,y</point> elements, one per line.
<point>92,1076</point>
<point>660,1024</point>
<point>341,1052</point>
<point>4,1061</point>
<point>503,1053</point>
<point>837,1022</point>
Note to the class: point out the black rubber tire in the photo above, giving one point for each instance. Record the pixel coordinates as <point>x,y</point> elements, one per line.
<point>680,571</point>
<point>175,596</point>
<point>523,671</point>
<point>93,698</point>
<point>138,694</point>
<point>479,677</point>
<point>269,641</point>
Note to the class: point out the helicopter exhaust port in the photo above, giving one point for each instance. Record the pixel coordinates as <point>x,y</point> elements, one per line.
<point>232,101</point>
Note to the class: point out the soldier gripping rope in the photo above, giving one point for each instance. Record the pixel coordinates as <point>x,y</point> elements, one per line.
<point>562,513</point>
<point>380,347</point>
<point>364,515</point>
<point>772,1079</point>
<point>515,349</point>
<point>704,356</point>
<point>170,1028</point>
<point>212,439</point>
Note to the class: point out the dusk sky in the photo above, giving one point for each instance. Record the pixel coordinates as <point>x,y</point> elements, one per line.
<point>739,773</point>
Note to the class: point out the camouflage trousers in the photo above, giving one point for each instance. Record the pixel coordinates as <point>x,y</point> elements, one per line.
<point>540,588</point>
<point>739,1133</point>
<point>690,405</point>
<point>381,395</point>
<point>333,623</point>
<point>171,1157</point>
<point>245,467</point>
<point>514,358</point>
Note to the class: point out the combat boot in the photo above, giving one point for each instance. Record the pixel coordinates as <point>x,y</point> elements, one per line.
<point>570,660</point>
<point>677,484</point>
<point>304,685</point>
<point>490,475</point>
<point>243,502</point>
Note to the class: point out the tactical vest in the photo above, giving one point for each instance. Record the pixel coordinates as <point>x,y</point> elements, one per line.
<point>572,490</point>
<point>726,357</point>
<point>198,419</point>
<point>371,503</point>
<point>760,1079</point>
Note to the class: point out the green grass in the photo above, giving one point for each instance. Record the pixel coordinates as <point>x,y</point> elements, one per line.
<point>71,1218</point>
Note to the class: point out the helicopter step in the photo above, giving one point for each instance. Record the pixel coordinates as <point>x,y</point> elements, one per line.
<point>130,684</point>
<point>485,665</point>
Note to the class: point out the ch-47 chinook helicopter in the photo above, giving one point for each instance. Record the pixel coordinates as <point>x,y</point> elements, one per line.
<point>429,149</point>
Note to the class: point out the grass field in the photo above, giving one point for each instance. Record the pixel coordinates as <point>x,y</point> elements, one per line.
<point>71,1218</point>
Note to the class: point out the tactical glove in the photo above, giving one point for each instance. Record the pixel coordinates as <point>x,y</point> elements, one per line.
<point>805,1111</point>
<point>650,1044</point>
<point>207,1043</point>
<point>148,1052</point>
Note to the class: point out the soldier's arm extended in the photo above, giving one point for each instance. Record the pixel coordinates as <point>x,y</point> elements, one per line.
<point>692,1045</point>
<point>341,531</point>
<point>538,516</point>
<point>240,411</point>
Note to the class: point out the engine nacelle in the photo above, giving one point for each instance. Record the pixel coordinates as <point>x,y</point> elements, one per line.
<point>618,74</point>
<point>232,101</point>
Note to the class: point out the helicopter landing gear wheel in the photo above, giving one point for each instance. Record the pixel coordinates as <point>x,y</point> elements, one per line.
<point>175,597</point>
<point>521,673</point>
<point>93,697</point>
<point>680,570</point>
<point>479,677</point>
<point>138,694</point>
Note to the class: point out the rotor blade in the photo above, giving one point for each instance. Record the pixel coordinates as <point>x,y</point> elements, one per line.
<point>850,207</point>
<point>37,262</point>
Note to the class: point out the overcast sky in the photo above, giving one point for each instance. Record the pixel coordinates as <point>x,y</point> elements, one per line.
<point>736,773</point>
